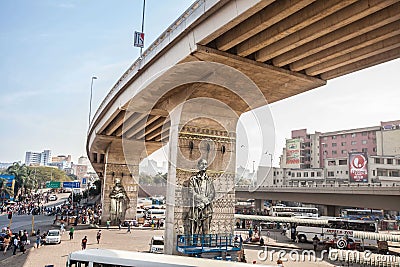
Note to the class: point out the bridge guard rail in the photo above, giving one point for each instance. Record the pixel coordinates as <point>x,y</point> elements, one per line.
<point>376,236</point>
<point>281,219</point>
<point>198,244</point>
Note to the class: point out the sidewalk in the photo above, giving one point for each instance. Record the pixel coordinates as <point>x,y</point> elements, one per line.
<point>57,254</point>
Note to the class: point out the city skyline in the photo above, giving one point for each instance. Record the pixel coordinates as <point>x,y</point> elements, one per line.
<point>51,50</point>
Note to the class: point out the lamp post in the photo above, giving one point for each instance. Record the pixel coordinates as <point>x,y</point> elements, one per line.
<point>91,94</point>
<point>254,172</point>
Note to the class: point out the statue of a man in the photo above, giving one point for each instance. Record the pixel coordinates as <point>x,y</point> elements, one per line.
<point>202,192</point>
<point>118,198</point>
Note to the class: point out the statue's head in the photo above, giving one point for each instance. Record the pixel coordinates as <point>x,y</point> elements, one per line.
<point>202,165</point>
<point>117,181</point>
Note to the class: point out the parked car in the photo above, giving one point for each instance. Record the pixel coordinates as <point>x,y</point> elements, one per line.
<point>52,198</point>
<point>53,237</point>
<point>157,244</point>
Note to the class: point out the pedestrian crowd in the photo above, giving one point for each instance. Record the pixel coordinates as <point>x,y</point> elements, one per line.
<point>14,241</point>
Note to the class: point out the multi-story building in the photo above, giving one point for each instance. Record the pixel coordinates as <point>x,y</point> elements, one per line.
<point>61,158</point>
<point>38,159</point>
<point>306,150</point>
<point>328,158</point>
<point>384,170</point>
<point>61,162</point>
<point>80,170</point>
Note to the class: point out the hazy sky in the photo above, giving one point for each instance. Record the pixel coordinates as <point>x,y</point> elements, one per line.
<point>51,49</point>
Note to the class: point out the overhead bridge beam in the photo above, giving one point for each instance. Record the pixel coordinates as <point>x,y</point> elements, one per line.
<point>299,19</point>
<point>327,25</point>
<point>258,22</point>
<point>353,44</point>
<point>357,28</point>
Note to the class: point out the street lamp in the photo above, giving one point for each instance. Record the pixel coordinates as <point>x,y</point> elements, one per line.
<point>91,94</point>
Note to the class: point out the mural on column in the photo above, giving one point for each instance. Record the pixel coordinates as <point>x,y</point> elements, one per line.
<point>119,201</point>
<point>202,193</point>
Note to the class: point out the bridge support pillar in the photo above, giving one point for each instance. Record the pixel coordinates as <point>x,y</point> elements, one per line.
<point>259,204</point>
<point>332,211</point>
<point>120,187</point>
<point>193,137</point>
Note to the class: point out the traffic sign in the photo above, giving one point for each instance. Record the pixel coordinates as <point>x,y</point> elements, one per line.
<point>53,184</point>
<point>71,184</point>
<point>83,180</point>
<point>138,40</point>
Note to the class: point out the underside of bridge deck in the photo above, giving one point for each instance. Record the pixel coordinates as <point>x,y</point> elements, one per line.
<point>325,39</point>
<point>285,47</point>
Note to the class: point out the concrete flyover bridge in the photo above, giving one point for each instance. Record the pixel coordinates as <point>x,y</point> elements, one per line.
<point>373,196</point>
<point>222,58</point>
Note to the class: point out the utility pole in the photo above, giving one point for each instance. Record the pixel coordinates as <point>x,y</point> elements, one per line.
<point>144,7</point>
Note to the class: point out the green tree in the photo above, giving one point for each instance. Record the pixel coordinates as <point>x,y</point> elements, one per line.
<point>43,174</point>
<point>30,182</point>
<point>21,173</point>
<point>96,190</point>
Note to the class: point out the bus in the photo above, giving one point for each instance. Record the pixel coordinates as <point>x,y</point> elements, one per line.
<point>362,214</point>
<point>282,211</point>
<point>119,258</point>
<point>339,227</point>
<point>156,214</point>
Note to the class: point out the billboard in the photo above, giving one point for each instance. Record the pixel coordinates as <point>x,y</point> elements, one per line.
<point>358,167</point>
<point>293,153</point>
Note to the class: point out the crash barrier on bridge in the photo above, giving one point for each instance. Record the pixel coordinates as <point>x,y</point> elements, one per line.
<point>211,243</point>
<point>366,258</point>
<point>376,236</point>
<point>281,219</point>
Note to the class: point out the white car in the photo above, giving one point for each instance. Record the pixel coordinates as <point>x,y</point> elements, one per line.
<point>157,244</point>
<point>52,198</point>
<point>53,237</point>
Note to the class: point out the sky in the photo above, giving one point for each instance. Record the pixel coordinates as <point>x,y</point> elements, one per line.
<point>51,49</point>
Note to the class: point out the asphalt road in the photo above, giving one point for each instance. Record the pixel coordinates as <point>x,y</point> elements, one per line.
<point>24,222</point>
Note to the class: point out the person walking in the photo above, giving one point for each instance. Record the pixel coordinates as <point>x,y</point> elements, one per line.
<point>38,241</point>
<point>6,243</point>
<point>71,233</point>
<point>62,228</point>
<point>108,224</point>
<point>129,228</point>
<point>84,242</point>
<point>98,236</point>
<point>315,241</point>
<point>16,243</point>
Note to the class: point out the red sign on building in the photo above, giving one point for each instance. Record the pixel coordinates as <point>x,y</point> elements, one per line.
<point>358,167</point>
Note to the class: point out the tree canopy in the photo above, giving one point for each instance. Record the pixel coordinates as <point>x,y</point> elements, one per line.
<point>29,178</point>
<point>44,174</point>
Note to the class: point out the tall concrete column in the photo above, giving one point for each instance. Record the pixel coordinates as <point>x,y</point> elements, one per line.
<point>116,167</point>
<point>332,211</point>
<point>191,139</point>
<point>259,204</point>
